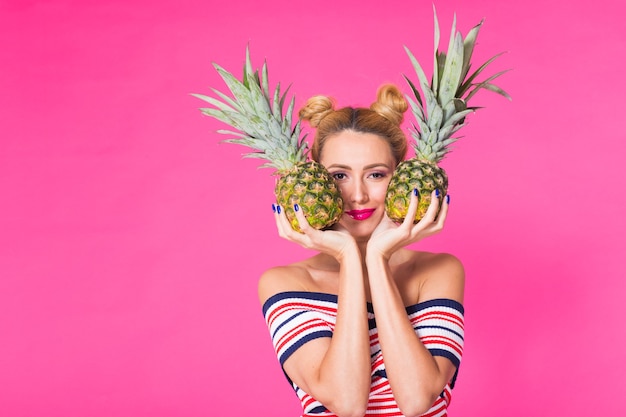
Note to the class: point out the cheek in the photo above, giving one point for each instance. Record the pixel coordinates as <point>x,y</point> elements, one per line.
<point>381,189</point>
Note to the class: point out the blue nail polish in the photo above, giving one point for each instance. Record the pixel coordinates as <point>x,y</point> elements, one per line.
<point>296,207</point>
<point>416,192</point>
<point>274,208</point>
<point>278,209</point>
<point>437,193</point>
<point>448,199</point>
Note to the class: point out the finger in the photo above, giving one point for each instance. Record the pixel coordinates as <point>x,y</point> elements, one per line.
<point>307,234</point>
<point>303,223</point>
<point>276,218</point>
<point>443,213</point>
<point>279,219</point>
<point>433,208</point>
<point>284,226</point>
<point>412,210</point>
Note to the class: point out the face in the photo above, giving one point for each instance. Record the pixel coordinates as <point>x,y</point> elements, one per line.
<point>362,165</point>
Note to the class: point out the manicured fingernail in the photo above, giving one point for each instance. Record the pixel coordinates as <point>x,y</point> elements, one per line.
<point>437,193</point>
<point>416,192</point>
<point>296,207</point>
<point>278,209</point>
<point>274,208</point>
<point>448,199</point>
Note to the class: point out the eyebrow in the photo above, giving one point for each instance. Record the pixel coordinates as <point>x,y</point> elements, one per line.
<point>346,167</point>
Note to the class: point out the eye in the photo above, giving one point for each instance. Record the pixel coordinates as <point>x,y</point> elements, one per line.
<point>378,175</point>
<point>338,176</point>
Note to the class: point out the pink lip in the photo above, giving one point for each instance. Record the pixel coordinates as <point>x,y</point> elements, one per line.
<point>360,214</point>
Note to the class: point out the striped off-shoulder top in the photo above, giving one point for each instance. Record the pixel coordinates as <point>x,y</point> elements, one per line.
<point>295,318</point>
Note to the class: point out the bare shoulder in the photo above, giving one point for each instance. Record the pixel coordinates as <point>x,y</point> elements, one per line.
<point>281,279</point>
<point>440,275</point>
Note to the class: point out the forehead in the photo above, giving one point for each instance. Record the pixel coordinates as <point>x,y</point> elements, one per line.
<point>357,148</point>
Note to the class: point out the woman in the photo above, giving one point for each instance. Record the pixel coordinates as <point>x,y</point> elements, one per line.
<point>366,326</point>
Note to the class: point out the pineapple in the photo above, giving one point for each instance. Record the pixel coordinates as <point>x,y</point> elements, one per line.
<point>261,126</point>
<point>444,114</point>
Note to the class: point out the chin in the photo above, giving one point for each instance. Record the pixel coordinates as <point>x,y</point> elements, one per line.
<point>361,229</point>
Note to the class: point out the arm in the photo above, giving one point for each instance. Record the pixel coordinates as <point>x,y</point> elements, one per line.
<point>335,371</point>
<point>415,375</point>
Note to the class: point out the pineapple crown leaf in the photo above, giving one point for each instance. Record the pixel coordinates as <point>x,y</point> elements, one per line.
<point>438,63</point>
<point>278,102</point>
<point>489,86</point>
<point>440,106</point>
<point>497,90</point>
<point>416,109</point>
<point>257,115</point>
<point>468,47</point>
<point>457,118</point>
<point>248,95</point>
<point>287,121</point>
<point>229,104</point>
<point>220,105</point>
<point>435,119</point>
<point>421,75</point>
<point>468,81</point>
<point>451,77</point>
<point>238,135</point>
<point>415,91</point>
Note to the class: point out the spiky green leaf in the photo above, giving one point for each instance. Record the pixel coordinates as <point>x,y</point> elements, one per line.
<point>416,108</point>
<point>434,119</point>
<point>441,63</point>
<point>417,68</point>
<point>450,108</point>
<point>445,99</point>
<point>493,88</point>
<point>468,48</point>
<point>431,100</point>
<point>468,82</point>
<point>214,102</point>
<point>457,117</point>
<point>485,83</point>
<point>415,91</point>
<point>257,113</point>
<point>276,104</point>
<point>238,135</point>
<point>451,78</point>
<point>436,63</point>
<point>265,81</point>
<point>227,100</point>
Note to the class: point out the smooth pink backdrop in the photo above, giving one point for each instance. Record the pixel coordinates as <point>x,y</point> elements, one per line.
<point>131,240</point>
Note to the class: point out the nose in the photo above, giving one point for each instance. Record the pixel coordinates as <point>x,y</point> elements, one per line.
<point>359,193</point>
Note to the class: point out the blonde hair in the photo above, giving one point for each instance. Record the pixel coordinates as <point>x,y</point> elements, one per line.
<point>383,118</point>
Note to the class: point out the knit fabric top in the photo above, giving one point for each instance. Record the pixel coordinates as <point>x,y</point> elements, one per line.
<point>295,318</point>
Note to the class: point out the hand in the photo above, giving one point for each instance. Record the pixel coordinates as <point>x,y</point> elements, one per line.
<point>332,242</point>
<point>388,237</point>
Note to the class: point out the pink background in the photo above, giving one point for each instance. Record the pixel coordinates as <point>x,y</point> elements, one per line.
<point>131,240</point>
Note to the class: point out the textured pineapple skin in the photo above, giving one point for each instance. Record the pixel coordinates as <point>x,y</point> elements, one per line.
<point>414,173</point>
<point>312,187</point>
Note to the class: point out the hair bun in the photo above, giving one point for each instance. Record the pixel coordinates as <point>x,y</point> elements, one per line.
<point>316,108</point>
<point>390,103</point>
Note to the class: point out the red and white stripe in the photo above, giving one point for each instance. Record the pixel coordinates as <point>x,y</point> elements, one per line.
<point>295,318</point>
